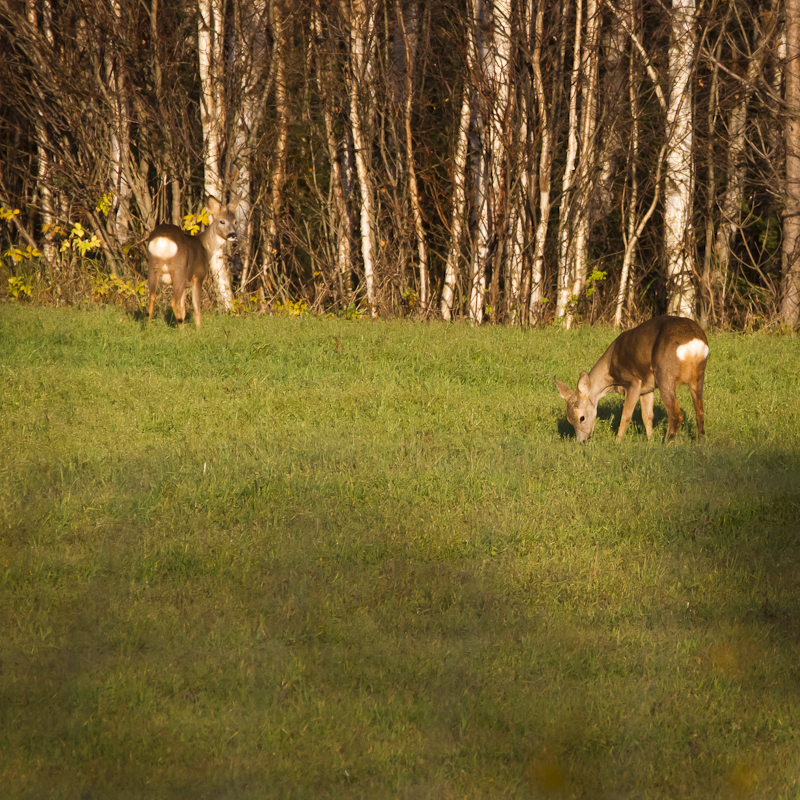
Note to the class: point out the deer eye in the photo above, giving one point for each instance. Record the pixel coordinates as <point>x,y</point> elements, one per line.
<point>582,419</point>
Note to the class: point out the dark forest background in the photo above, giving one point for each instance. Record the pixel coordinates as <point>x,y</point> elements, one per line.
<point>515,161</point>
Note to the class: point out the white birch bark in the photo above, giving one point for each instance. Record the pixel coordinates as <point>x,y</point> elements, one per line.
<point>46,212</point>
<point>501,128</point>
<point>679,193</point>
<point>459,203</point>
<point>545,162</point>
<point>210,41</point>
<point>566,244</point>
<point>520,188</point>
<point>790,267</point>
<point>479,255</point>
<point>633,191</point>
<point>588,156</point>
<point>493,51</point>
<point>362,24</point>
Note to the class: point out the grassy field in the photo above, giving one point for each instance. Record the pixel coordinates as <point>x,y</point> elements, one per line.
<point>313,558</point>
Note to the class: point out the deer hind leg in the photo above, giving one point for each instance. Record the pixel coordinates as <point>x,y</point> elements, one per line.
<point>696,388</point>
<point>670,399</point>
<point>152,286</point>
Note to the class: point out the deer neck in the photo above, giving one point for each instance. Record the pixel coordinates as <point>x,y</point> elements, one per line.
<point>210,241</point>
<point>600,380</point>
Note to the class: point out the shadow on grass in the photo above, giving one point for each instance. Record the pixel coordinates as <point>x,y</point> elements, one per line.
<point>165,314</point>
<point>609,411</point>
<point>332,656</point>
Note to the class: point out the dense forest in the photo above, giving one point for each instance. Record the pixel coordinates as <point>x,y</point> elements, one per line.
<point>509,161</point>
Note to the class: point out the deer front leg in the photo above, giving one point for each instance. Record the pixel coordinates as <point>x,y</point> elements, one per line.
<point>631,396</point>
<point>647,401</point>
<point>178,304</point>
<point>197,284</point>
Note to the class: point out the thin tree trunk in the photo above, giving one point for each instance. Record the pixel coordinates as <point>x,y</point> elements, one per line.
<point>251,21</point>
<point>46,213</point>
<point>270,271</point>
<point>210,40</point>
<point>479,26</point>
<point>588,154</point>
<point>545,161</point>
<point>731,208</point>
<point>630,236</point>
<point>679,244</point>
<point>712,271</point>
<point>493,46</point>
<point>634,233</point>
<point>566,243</point>
<point>362,25</point>
<point>790,268</point>
<point>413,190</point>
<point>120,144</point>
<point>459,203</point>
<point>339,220</point>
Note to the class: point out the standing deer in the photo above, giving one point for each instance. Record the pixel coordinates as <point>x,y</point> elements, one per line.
<point>661,353</point>
<point>174,257</point>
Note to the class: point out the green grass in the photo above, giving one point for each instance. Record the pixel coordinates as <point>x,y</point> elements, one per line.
<point>314,558</point>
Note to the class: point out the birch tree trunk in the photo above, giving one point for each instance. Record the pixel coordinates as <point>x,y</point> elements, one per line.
<point>493,51</point>
<point>46,211</point>
<point>362,33</point>
<point>545,161</point>
<point>566,242</point>
<point>479,255</point>
<point>679,194</point>
<point>210,53</point>
<point>502,134</point>
<point>790,267</point>
<point>630,234</point>
<point>520,188</point>
<point>588,155</point>
<point>459,203</point>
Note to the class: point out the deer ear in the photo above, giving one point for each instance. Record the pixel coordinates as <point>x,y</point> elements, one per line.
<point>213,205</point>
<point>234,203</point>
<point>583,383</point>
<point>563,389</point>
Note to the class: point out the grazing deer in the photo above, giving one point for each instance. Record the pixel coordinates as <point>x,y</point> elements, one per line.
<point>661,353</point>
<point>175,257</point>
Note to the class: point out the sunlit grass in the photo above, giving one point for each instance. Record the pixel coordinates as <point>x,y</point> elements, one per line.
<point>314,558</point>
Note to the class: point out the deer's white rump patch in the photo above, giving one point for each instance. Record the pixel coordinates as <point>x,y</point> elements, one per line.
<point>161,247</point>
<point>695,349</point>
